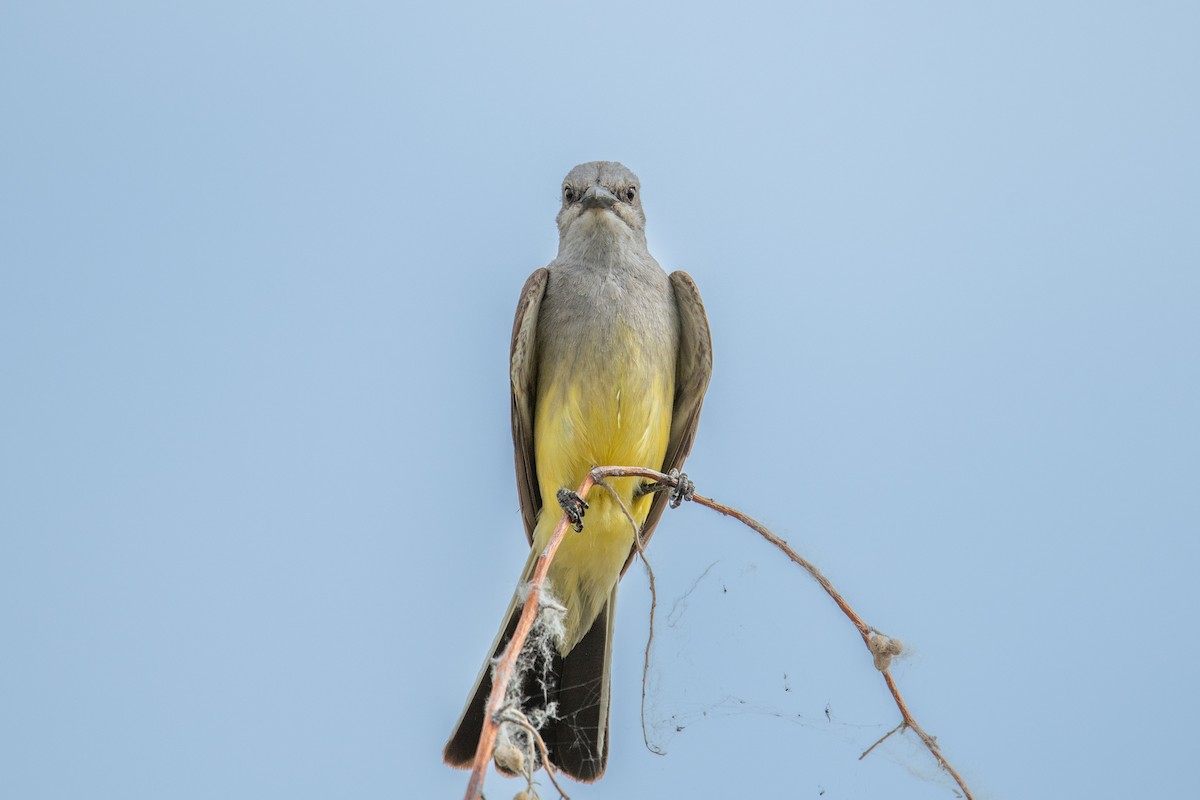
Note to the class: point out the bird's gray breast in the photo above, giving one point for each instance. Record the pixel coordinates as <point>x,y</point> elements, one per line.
<point>611,318</point>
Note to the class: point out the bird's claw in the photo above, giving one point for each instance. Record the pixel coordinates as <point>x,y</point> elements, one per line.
<point>573,506</point>
<point>684,489</point>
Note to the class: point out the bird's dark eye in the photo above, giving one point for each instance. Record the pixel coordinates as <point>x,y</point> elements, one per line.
<point>631,193</point>
<point>568,194</point>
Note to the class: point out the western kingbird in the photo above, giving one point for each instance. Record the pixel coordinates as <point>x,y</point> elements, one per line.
<point>610,358</point>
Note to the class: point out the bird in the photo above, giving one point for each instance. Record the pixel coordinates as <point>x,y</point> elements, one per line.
<point>610,358</point>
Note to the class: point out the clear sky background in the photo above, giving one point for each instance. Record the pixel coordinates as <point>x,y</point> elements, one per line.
<point>258,264</point>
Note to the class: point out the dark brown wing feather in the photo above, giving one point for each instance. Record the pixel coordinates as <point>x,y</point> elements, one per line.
<point>523,374</point>
<point>693,368</point>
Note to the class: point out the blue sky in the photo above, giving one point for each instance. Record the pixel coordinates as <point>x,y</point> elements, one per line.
<point>258,266</point>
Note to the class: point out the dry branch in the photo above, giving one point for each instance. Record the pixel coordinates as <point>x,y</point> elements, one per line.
<point>508,659</point>
<point>881,647</point>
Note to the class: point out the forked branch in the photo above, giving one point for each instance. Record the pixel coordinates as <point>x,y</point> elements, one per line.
<point>882,648</point>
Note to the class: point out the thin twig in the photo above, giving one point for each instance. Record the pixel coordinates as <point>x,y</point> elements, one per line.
<point>649,641</point>
<point>881,740</point>
<point>515,717</point>
<point>864,629</point>
<point>640,546</point>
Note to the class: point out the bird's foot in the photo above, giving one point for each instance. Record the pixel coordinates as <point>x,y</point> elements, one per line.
<point>682,488</point>
<point>685,488</point>
<point>573,506</point>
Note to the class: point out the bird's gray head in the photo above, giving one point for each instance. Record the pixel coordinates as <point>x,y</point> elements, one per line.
<point>601,198</point>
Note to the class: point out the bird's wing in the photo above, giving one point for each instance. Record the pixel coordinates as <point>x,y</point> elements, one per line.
<point>693,368</point>
<point>523,374</point>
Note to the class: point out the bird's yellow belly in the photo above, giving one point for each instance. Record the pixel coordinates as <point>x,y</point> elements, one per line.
<point>620,419</point>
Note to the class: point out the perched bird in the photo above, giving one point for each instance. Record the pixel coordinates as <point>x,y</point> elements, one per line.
<point>610,359</point>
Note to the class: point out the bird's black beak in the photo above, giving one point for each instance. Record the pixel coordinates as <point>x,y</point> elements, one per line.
<point>598,197</point>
